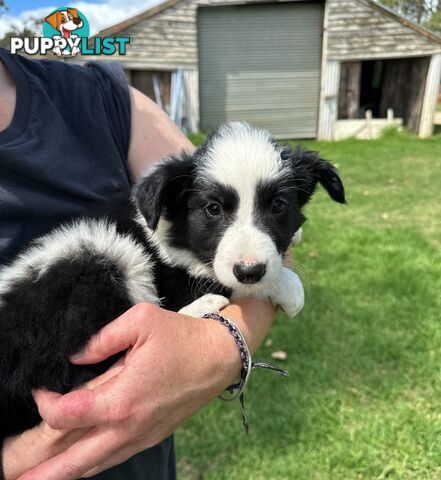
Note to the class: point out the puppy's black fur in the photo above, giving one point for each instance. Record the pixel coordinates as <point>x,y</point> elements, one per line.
<point>48,316</point>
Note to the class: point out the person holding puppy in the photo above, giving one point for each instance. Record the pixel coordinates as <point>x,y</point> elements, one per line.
<point>73,139</point>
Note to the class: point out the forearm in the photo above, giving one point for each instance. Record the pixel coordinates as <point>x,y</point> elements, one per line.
<point>254,318</point>
<point>153,135</point>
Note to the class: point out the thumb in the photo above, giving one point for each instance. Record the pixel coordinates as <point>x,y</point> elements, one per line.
<point>117,336</point>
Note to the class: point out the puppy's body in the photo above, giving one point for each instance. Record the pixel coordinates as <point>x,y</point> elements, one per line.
<point>63,290</point>
<point>209,226</point>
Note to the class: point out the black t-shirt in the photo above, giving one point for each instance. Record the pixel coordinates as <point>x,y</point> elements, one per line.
<point>64,156</point>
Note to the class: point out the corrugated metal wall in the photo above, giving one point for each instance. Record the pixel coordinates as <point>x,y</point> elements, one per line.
<point>261,63</point>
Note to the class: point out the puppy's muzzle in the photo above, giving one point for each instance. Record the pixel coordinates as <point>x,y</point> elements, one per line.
<point>249,273</point>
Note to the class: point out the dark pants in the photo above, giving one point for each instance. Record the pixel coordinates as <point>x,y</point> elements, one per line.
<point>157,463</point>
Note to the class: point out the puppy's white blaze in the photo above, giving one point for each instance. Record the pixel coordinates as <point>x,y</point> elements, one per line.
<point>71,241</point>
<point>241,242</point>
<point>240,156</point>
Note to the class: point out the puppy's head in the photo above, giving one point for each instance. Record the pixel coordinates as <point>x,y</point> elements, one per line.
<point>231,209</point>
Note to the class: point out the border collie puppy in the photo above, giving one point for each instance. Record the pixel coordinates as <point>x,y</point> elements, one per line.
<point>209,226</point>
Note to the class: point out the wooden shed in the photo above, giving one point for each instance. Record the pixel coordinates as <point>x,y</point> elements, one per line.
<point>294,67</point>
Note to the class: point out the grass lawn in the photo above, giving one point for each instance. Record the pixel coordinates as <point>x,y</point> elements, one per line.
<point>363,400</point>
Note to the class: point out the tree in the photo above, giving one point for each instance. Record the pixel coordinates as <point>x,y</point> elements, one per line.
<point>416,10</point>
<point>30,28</point>
<point>423,12</point>
<point>434,22</point>
<point>3,7</point>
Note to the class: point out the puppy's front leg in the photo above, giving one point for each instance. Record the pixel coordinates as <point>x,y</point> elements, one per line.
<point>209,303</point>
<point>288,293</point>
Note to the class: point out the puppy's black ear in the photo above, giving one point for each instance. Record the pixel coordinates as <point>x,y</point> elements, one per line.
<point>163,187</point>
<point>309,169</point>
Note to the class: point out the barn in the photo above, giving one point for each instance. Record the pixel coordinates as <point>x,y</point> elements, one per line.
<point>302,69</point>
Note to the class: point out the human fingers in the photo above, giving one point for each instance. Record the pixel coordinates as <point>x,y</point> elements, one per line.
<point>91,450</point>
<point>86,407</point>
<point>117,336</point>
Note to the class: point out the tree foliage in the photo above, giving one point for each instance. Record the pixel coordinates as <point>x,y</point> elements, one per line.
<point>434,22</point>
<point>30,28</point>
<point>3,7</point>
<point>423,12</point>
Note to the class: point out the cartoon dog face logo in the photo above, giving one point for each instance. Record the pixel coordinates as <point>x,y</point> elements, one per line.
<point>65,21</point>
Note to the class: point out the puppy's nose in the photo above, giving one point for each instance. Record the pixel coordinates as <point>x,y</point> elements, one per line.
<point>249,273</point>
<point>77,21</point>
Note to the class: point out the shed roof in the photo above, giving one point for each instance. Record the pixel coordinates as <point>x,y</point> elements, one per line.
<point>363,29</point>
<point>140,17</point>
<point>165,36</point>
<point>152,11</point>
<point>404,21</point>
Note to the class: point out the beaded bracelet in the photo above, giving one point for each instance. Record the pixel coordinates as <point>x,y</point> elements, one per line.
<point>247,365</point>
<point>245,356</point>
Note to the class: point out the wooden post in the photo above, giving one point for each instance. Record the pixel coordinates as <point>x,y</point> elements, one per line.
<point>349,90</point>
<point>191,85</point>
<point>354,89</point>
<point>390,114</point>
<point>430,96</point>
<point>329,99</point>
<point>369,124</point>
<point>330,80</point>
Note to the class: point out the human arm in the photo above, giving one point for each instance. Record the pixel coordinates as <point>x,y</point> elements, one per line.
<point>204,347</point>
<point>175,365</point>
<point>153,134</point>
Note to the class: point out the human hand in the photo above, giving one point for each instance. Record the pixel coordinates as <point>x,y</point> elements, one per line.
<point>174,365</point>
<point>32,447</point>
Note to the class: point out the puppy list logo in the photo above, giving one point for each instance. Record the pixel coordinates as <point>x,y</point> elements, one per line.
<point>66,33</point>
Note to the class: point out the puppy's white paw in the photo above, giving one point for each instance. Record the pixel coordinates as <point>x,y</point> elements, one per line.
<point>297,238</point>
<point>209,303</point>
<point>290,295</point>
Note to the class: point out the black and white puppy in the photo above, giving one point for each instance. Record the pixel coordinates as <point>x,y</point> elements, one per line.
<point>209,226</point>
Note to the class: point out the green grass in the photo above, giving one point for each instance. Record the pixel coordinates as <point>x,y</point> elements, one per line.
<point>363,400</point>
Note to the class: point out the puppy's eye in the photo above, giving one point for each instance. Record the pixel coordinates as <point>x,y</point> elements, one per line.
<point>214,209</point>
<point>278,206</point>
